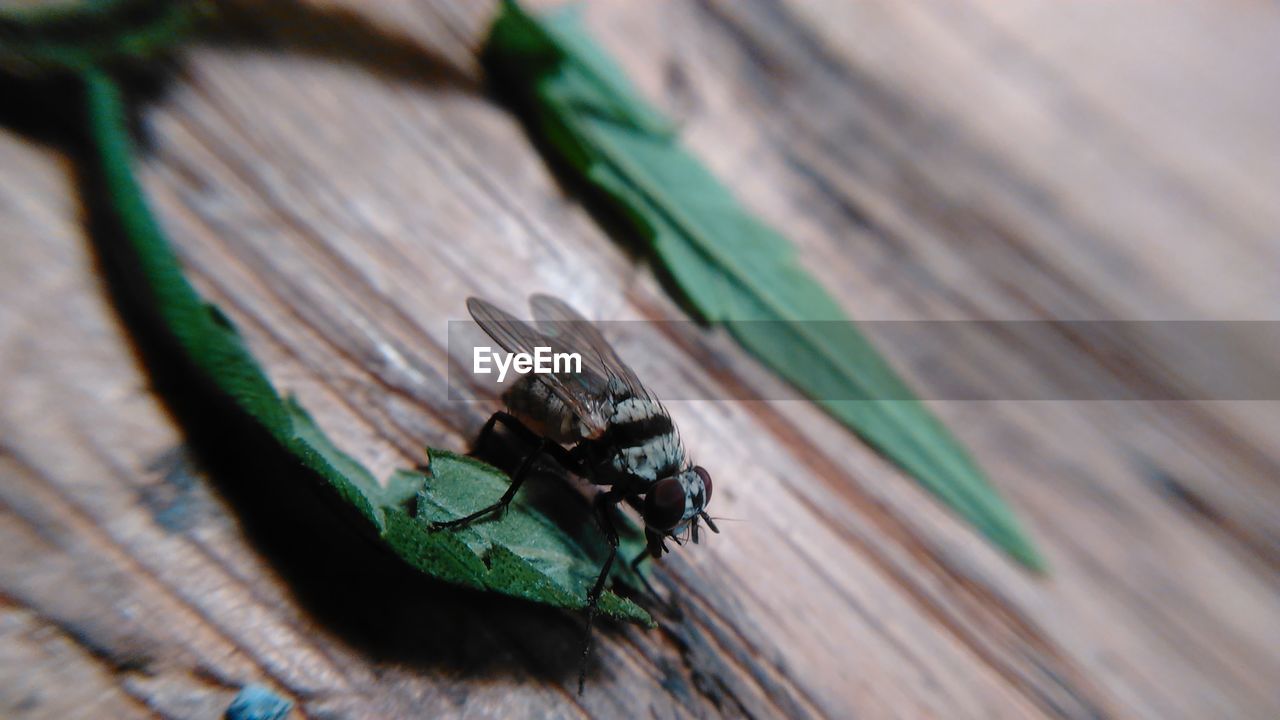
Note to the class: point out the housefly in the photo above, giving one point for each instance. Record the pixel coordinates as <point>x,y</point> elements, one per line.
<point>600,423</point>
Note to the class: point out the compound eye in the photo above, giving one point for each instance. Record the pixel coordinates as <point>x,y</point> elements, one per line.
<point>706,483</point>
<point>664,506</point>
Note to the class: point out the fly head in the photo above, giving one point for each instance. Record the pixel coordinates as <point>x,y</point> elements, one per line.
<point>677,502</point>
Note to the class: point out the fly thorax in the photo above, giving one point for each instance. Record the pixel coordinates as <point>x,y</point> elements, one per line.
<point>643,440</point>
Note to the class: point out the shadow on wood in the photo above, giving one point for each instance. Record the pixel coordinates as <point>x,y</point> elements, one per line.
<point>339,35</point>
<point>336,568</point>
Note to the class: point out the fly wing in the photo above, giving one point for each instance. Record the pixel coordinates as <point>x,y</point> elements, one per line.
<point>584,393</point>
<point>557,319</point>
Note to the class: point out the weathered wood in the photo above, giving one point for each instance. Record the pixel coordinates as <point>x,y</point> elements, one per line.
<point>336,180</point>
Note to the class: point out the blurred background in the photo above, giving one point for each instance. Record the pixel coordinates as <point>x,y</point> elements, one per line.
<point>336,177</point>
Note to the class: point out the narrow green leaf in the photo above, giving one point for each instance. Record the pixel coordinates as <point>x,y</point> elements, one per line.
<point>75,35</point>
<point>731,268</point>
<point>524,554</point>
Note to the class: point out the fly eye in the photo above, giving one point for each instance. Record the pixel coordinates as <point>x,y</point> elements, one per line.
<point>664,506</point>
<point>706,483</point>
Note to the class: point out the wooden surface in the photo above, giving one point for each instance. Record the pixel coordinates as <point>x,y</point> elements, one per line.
<point>338,183</point>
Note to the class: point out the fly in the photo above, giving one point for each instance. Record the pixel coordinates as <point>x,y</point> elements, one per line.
<point>600,423</point>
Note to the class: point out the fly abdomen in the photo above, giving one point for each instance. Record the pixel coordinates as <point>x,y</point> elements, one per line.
<point>543,412</point>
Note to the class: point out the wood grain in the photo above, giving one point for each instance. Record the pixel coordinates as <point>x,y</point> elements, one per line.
<point>335,178</point>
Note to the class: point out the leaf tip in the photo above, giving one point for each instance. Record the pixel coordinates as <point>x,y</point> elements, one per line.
<point>1030,558</point>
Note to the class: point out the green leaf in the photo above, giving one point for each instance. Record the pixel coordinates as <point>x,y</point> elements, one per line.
<point>524,553</point>
<point>76,35</point>
<point>730,267</point>
<point>526,548</point>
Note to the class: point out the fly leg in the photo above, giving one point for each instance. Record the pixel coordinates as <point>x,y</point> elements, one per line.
<point>545,445</point>
<point>605,505</point>
<point>568,459</point>
<point>655,549</point>
<point>511,422</point>
<point>516,481</point>
<point>635,570</point>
